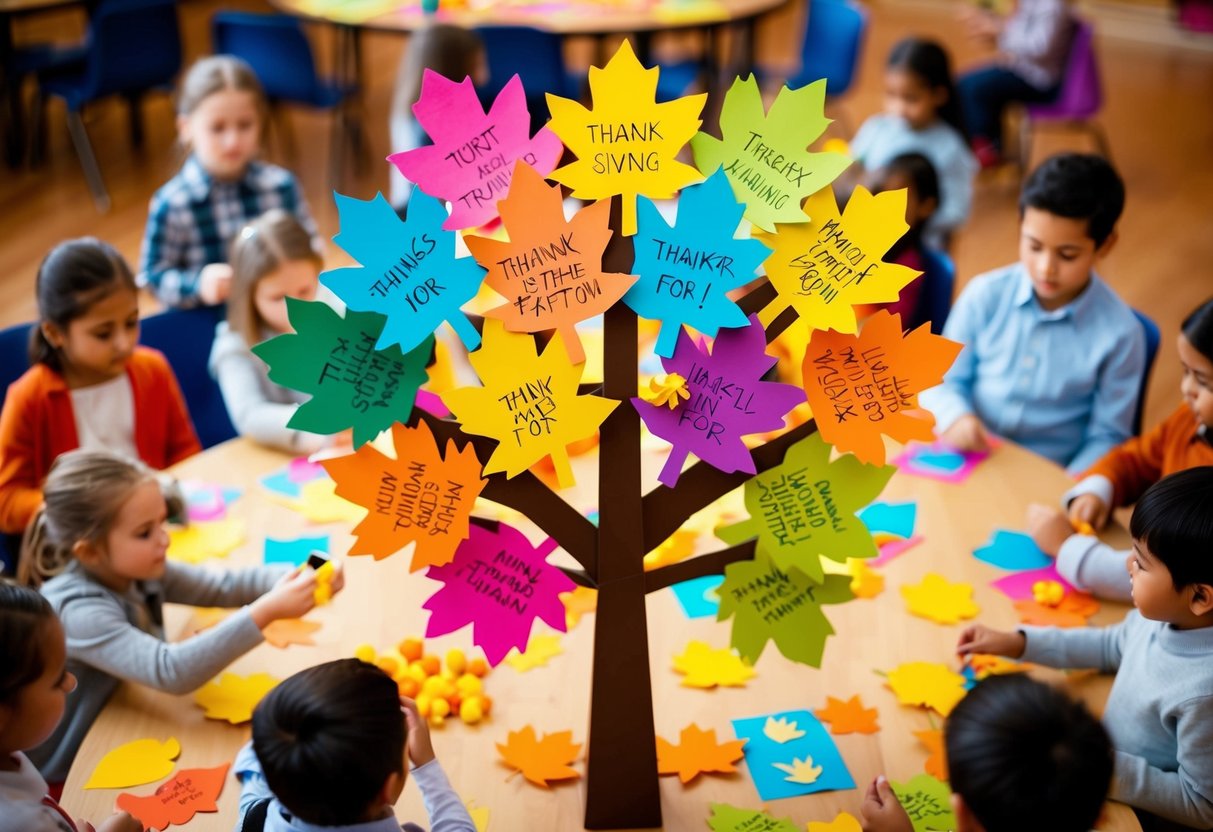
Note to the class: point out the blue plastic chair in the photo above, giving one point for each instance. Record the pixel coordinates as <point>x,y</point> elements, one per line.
<point>537,58</point>
<point>833,40</point>
<point>14,361</point>
<point>1153,339</point>
<point>134,46</point>
<point>938,283</point>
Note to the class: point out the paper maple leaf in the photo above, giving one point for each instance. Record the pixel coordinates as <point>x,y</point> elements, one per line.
<point>767,603</point>
<point>848,717</point>
<point>200,542</point>
<point>472,158</point>
<point>824,268</point>
<point>352,383</point>
<point>1073,611</point>
<point>728,399</point>
<point>284,632</point>
<point>844,822</point>
<point>697,752</point>
<point>541,760</point>
<point>550,271</point>
<point>781,730</point>
<point>408,273</point>
<point>764,154</point>
<point>419,497</point>
<point>685,271</point>
<point>927,684</point>
<point>726,818</point>
<point>938,599</point>
<point>627,143</point>
<point>705,667</point>
<point>805,508</point>
<point>927,801</point>
<point>862,386</point>
<point>936,764</point>
<point>539,651</point>
<point>800,771</point>
<point>579,602</point>
<point>499,583</point>
<point>190,791</point>
<point>232,697</point>
<point>134,763</point>
<point>865,582</point>
<point>528,403</point>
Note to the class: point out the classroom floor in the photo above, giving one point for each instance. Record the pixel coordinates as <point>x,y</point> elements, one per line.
<point>1157,117</point>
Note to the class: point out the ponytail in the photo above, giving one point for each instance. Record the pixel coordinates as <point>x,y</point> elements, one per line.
<point>40,559</point>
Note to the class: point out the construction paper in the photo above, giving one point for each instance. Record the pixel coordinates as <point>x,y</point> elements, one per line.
<point>928,685</point>
<point>892,548</point>
<point>763,153</point>
<point>499,583</point>
<point>280,483</point>
<point>848,716</point>
<point>529,403</point>
<point>762,757</point>
<point>627,143</point>
<point>541,760</point>
<point>726,818</point>
<point>804,508</point>
<point>865,583</point>
<point>287,631</point>
<point>927,801</point>
<point>686,270</point>
<point>301,470</point>
<point>936,764</point>
<point>539,651</point>
<point>939,462</point>
<point>844,822</point>
<point>232,697</point>
<point>577,603</point>
<point>705,667</point>
<point>1073,611</point>
<point>206,501</point>
<point>938,599</point>
<point>471,161</point>
<point>1018,585</point>
<point>178,800</point>
<point>728,400</point>
<point>135,763</point>
<point>767,604</point>
<point>895,518</point>
<point>1012,551</point>
<point>319,503</point>
<point>698,597</point>
<point>697,752</point>
<point>550,271</point>
<point>294,551</point>
<point>676,548</point>
<point>421,497</point>
<point>408,273</point>
<point>352,383</point>
<point>198,542</point>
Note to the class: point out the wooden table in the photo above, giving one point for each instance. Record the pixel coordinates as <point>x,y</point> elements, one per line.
<point>381,605</point>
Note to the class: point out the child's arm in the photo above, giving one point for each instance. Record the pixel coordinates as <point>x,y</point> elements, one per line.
<point>1116,391</point>
<point>161,266</point>
<point>1097,647</point>
<point>443,806</point>
<point>253,787</point>
<point>1123,474</point>
<point>198,586</point>
<point>1095,567</point>
<point>1186,795</point>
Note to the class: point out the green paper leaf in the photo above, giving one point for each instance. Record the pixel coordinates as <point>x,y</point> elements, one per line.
<point>928,802</point>
<point>726,818</point>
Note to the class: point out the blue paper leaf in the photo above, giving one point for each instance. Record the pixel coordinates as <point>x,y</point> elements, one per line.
<point>1013,551</point>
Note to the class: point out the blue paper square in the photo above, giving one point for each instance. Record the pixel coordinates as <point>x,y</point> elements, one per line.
<point>761,754</point>
<point>946,462</point>
<point>294,551</point>
<point>698,596</point>
<point>1013,551</point>
<point>280,482</point>
<point>894,518</point>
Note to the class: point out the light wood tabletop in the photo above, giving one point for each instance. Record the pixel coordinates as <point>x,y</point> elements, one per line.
<point>382,604</point>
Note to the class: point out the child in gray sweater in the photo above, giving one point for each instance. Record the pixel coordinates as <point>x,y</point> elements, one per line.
<point>1160,711</point>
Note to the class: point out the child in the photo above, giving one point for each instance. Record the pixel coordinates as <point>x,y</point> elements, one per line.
<point>1160,710</point>
<point>34,685</point>
<point>101,534</point>
<point>328,750</point>
<point>1052,358</point>
<point>922,116</point>
<point>915,173</point>
<point>90,384</point>
<point>272,259</point>
<point>1019,753</point>
<point>1184,440</point>
<point>194,217</point>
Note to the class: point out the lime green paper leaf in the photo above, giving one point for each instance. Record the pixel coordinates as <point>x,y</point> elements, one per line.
<point>726,818</point>
<point>765,156</point>
<point>928,802</point>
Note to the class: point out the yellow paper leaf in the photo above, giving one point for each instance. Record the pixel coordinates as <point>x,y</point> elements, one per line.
<point>781,730</point>
<point>205,540</point>
<point>233,697</point>
<point>319,503</point>
<point>705,667</point>
<point>939,600</point>
<point>677,547</point>
<point>845,822</point>
<point>928,685</point>
<point>865,581</point>
<point>287,631</point>
<point>135,763</point>
<point>480,816</point>
<point>577,603</point>
<point>539,651</point>
<point>800,771</point>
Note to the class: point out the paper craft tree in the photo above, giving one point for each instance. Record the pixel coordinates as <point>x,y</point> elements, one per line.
<point>531,405</point>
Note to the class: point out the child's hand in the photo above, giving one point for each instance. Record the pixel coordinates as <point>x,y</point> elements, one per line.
<point>420,749</point>
<point>967,434</point>
<point>1048,527</point>
<point>882,811</point>
<point>120,822</point>
<point>214,283</point>
<point>977,638</point>
<point>1088,508</point>
<point>292,597</point>
<point>337,579</point>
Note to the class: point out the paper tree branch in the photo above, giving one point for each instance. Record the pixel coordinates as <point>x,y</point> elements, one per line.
<point>712,563</point>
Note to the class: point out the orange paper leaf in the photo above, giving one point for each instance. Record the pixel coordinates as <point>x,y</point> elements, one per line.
<point>1073,611</point>
<point>541,760</point>
<point>697,752</point>
<point>849,717</point>
<point>287,631</point>
<point>190,791</point>
<point>936,764</point>
<point>577,603</point>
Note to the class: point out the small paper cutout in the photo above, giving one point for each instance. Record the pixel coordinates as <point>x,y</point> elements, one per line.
<point>698,752</point>
<point>865,583</point>
<point>232,697</point>
<point>1073,611</point>
<point>207,501</point>
<point>928,685</point>
<point>800,771</point>
<point>200,542</point>
<point>699,597</point>
<point>677,547</point>
<point>938,599</point>
<point>781,730</point>
<point>936,764</point>
<point>287,631</point>
<point>1018,585</point>
<point>726,818</point>
<point>927,801</point>
<point>177,801</point>
<point>479,815</point>
<point>845,822</point>
<point>539,651</point>
<point>765,758</point>
<point>541,760</point>
<point>577,603</point>
<point>849,717</point>
<point>939,462</point>
<point>705,667</point>
<point>1012,551</point>
<point>666,391</point>
<point>294,551</point>
<point>319,503</point>
<point>892,548</point>
<point>894,518</point>
<point>135,763</point>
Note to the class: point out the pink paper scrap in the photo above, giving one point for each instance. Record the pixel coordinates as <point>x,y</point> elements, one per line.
<point>895,548</point>
<point>301,470</point>
<point>1018,586</point>
<point>907,461</point>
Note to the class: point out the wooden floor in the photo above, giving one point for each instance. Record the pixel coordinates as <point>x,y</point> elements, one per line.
<point>1158,117</point>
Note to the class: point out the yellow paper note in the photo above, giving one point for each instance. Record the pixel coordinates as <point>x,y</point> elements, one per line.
<point>233,697</point>
<point>135,763</point>
<point>205,540</point>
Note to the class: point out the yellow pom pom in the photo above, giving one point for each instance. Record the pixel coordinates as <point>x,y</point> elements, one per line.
<point>1048,593</point>
<point>366,653</point>
<point>423,704</point>
<point>440,708</point>
<point>469,685</point>
<point>456,661</point>
<point>471,711</point>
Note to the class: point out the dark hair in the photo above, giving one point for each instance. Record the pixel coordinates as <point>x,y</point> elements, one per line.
<point>1198,329</point>
<point>930,62</point>
<point>328,738</point>
<point>74,276</point>
<point>451,51</point>
<point>1019,750</point>
<point>23,613</point>
<point>914,167</point>
<point>1078,186</point>
<point>262,246</point>
<point>1174,519</point>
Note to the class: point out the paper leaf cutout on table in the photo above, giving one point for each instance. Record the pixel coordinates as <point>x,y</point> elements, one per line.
<point>471,160</point>
<point>1018,586</point>
<point>686,270</point>
<point>928,685</point>
<point>770,763</point>
<point>135,763</point>
<point>849,716</point>
<point>550,271</point>
<point>408,273</point>
<point>845,822</point>
<point>938,599</point>
<point>726,818</point>
<point>319,503</point>
<point>232,697</point>
<point>826,267</point>
<point>420,497</point>
<point>499,583</point>
<point>800,771</point>
<point>865,582</point>
<point>1073,611</point>
<point>287,631</point>
<point>698,752</point>
<point>804,508</point>
<point>781,730</point>
<point>199,542</point>
<point>706,667</point>
<point>529,403</point>
<point>539,651</point>
<point>581,601</point>
<point>627,143</point>
<point>894,518</point>
<point>699,597</point>
<point>334,359</point>
<point>1012,551</point>
<point>862,387</point>
<point>936,764</point>
<point>728,400</point>
<point>479,815</point>
<point>541,760</point>
<point>767,604</point>
<point>939,462</point>
<point>176,802</point>
<point>764,153</point>
<point>927,801</point>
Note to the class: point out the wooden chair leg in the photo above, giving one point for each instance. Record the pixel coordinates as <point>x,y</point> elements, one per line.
<point>88,161</point>
<point>1025,143</point>
<point>37,129</point>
